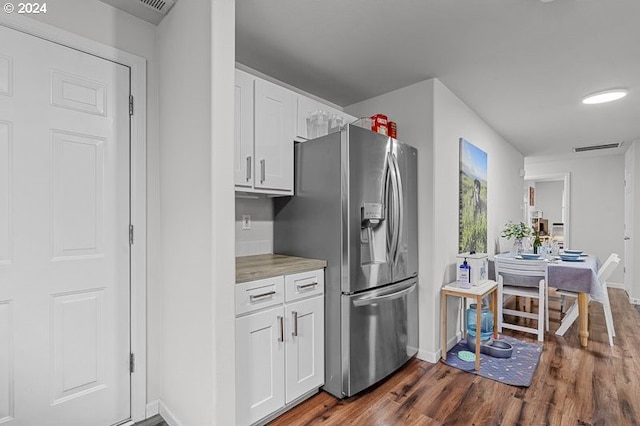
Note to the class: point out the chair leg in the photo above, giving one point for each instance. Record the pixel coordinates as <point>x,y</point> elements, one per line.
<point>607,312</point>
<point>608,318</point>
<point>546,306</point>
<point>541,312</point>
<point>570,317</point>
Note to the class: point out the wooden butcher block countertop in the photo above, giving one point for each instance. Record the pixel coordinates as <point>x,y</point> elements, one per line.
<point>251,268</point>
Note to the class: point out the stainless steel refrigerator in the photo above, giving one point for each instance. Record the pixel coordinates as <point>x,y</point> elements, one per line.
<point>355,206</point>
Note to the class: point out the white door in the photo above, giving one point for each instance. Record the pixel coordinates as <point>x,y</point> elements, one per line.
<point>259,365</point>
<point>273,135</point>
<point>64,245</point>
<point>628,217</point>
<point>305,347</point>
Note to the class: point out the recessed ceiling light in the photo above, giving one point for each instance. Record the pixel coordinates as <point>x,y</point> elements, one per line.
<point>605,96</point>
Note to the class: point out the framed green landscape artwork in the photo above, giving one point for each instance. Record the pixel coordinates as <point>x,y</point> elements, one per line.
<point>473,199</point>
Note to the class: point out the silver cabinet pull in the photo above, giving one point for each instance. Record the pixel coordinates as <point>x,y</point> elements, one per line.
<point>254,297</point>
<point>262,170</point>
<point>248,168</point>
<point>281,321</point>
<point>295,323</point>
<point>303,286</point>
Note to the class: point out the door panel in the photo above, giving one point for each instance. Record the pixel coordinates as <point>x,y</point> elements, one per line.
<point>406,260</point>
<point>243,122</point>
<point>305,347</point>
<point>629,216</point>
<point>274,133</point>
<point>369,264</point>
<point>259,365</point>
<point>64,211</point>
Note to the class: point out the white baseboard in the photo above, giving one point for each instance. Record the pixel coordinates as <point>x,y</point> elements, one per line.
<point>152,409</point>
<point>634,301</point>
<point>434,357</point>
<point>615,285</point>
<point>168,416</point>
<point>431,357</point>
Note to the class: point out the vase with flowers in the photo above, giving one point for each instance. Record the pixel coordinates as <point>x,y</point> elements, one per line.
<point>517,231</point>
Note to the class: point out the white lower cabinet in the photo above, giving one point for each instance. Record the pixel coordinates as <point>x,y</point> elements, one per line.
<point>279,349</point>
<point>304,354</point>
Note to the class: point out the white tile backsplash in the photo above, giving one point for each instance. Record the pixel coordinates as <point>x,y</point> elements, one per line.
<point>258,239</point>
<point>250,248</point>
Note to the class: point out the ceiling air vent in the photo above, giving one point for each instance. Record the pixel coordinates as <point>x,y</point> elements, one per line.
<point>157,5</point>
<point>149,10</point>
<point>596,147</point>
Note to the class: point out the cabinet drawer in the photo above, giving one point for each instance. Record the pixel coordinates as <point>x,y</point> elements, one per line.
<point>304,284</point>
<point>254,295</point>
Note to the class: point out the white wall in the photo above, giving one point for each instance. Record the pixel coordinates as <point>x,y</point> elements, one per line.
<point>258,239</point>
<point>597,202</point>
<point>432,118</point>
<point>125,32</point>
<point>196,51</point>
<point>548,198</point>
<point>453,120</point>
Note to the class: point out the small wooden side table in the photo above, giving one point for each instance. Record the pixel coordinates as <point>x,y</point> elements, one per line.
<point>478,293</point>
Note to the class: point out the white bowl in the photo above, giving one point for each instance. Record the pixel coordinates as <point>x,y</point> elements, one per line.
<point>530,256</point>
<point>571,252</point>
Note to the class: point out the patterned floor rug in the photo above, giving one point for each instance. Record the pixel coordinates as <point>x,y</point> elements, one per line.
<point>516,371</point>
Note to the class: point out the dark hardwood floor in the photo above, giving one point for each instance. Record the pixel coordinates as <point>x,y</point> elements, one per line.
<point>599,385</point>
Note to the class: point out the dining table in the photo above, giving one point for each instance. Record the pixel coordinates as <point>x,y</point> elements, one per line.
<point>578,276</point>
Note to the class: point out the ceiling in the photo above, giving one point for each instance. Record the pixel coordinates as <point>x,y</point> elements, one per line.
<point>522,65</point>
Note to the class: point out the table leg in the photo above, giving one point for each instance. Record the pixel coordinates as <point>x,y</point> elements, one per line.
<point>494,310</point>
<point>443,320</point>
<point>583,318</point>
<point>478,329</point>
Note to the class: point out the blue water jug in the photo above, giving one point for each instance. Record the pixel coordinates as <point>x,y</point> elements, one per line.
<point>486,324</point>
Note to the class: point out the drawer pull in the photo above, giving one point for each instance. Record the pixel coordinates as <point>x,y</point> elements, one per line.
<point>255,297</point>
<point>302,287</point>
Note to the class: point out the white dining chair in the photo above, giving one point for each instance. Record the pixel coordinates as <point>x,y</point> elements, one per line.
<point>604,273</point>
<point>524,278</point>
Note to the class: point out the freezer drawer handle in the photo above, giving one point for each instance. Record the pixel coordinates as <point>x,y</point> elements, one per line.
<point>304,286</point>
<point>255,297</point>
<point>371,300</point>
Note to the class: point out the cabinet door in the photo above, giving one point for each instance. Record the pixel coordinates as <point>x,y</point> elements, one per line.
<point>243,122</point>
<point>274,133</point>
<point>305,347</point>
<point>259,365</point>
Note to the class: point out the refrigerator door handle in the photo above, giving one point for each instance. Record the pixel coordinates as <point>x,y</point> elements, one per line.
<point>384,297</point>
<point>399,208</point>
<point>393,204</point>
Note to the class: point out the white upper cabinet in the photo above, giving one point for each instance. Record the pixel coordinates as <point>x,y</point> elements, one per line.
<point>243,155</point>
<point>274,134</point>
<point>268,118</point>
<point>264,134</point>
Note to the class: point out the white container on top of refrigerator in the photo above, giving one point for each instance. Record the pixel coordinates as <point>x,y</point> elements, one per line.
<point>356,207</point>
